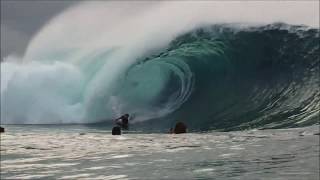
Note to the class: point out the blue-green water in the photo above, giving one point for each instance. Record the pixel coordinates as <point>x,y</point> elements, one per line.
<point>222,76</point>
<point>246,86</point>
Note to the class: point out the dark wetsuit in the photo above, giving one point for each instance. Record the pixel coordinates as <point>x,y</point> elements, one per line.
<point>123,123</point>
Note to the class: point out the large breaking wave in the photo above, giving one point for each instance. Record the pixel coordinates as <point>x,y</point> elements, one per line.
<point>213,73</point>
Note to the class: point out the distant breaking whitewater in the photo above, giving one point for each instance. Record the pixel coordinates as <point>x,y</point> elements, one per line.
<point>209,68</point>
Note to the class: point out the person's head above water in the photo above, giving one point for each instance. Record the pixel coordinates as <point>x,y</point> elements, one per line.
<point>1,130</point>
<point>180,128</point>
<point>116,130</point>
<point>126,115</point>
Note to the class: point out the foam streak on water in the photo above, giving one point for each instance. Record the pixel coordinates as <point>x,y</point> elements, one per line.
<point>65,154</point>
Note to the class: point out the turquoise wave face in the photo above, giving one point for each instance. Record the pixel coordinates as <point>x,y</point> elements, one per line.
<point>266,77</point>
<point>218,77</point>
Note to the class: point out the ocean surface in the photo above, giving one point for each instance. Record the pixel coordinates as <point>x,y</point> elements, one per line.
<point>219,76</point>
<point>245,83</point>
<point>80,152</point>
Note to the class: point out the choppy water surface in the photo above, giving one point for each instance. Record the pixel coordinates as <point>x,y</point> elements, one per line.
<point>84,153</point>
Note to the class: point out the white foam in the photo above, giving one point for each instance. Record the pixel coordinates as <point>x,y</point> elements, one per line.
<point>203,170</point>
<point>61,87</point>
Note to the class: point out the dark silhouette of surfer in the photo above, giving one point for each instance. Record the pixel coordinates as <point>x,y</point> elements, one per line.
<point>179,128</point>
<point>1,130</point>
<point>123,121</point>
<point>116,130</point>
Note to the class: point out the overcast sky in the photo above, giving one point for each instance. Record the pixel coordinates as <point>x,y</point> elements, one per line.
<point>20,20</point>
